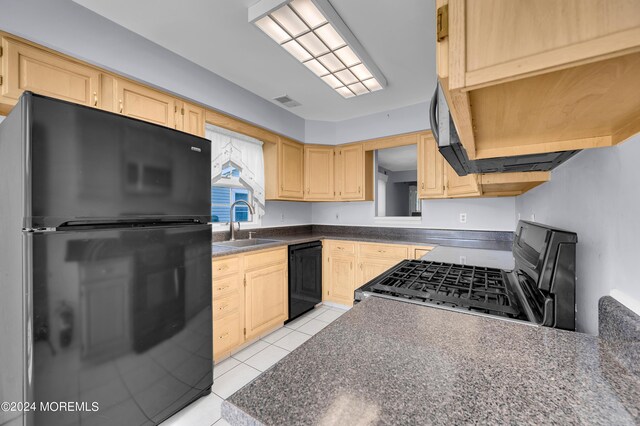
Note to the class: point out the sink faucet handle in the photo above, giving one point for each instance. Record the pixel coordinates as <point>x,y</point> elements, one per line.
<point>251,234</point>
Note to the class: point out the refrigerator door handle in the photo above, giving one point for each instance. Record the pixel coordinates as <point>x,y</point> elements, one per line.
<point>176,282</point>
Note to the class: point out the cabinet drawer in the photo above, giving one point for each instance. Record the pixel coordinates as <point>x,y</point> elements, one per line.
<point>225,306</point>
<point>222,267</point>
<point>342,247</point>
<point>222,286</point>
<point>227,334</point>
<point>265,258</point>
<point>384,251</point>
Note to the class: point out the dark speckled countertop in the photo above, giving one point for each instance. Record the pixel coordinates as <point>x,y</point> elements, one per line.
<point>390,362</point>
<point>493,240</point>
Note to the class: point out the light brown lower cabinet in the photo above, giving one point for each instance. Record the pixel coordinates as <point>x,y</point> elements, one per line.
<point>250,297</point>
<point>350,264</point>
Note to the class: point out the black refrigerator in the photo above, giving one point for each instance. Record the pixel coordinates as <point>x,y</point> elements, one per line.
<point>105,267</point>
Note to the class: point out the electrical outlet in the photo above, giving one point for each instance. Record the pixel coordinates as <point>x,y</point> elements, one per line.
<point>463,260</point>
<point>463,218</point>
<point>282,217</point>
<point>533,217</point>
<point>518,216</point>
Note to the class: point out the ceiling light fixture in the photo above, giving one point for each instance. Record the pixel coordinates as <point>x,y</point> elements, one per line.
<point>313,33</point>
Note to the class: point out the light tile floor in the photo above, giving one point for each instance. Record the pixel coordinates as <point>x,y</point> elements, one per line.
<point>243,367</point>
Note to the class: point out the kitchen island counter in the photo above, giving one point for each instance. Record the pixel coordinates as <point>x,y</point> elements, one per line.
<point>390,362</point>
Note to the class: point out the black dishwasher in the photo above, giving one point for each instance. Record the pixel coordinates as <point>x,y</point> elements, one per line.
<point>305,277</point>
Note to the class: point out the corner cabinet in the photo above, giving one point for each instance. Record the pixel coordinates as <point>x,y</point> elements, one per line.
<point>526,77</point>
<point>319,173</point>
<point>27,68</point>
<point>284,170</point>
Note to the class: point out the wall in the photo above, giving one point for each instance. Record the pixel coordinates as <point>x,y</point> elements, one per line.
<point>596,195</point>
<point>69,28</point>
<point>495,214</point>
<point>286,213</point>
<point>407,119</point>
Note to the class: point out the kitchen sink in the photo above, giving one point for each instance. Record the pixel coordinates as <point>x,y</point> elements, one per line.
<point>245,243</point>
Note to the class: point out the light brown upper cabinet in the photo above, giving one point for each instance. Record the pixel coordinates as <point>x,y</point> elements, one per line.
<point>524,77</point>
<point>143,103</point>
<point>25,67</point>
<point>460,186</point>
<point>189,118</point>
<point>436,178</point>
<point>318,173</point>
<point>430,168</point>
<point>353,173</point>
<point>284,170</point>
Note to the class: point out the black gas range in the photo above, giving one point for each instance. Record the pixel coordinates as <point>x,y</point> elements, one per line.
<point>539,290</point>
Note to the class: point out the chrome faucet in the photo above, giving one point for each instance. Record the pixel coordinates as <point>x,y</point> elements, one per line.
<point>232,229</point>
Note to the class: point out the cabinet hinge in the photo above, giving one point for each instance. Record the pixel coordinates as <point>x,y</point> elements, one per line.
<point>1,51</point>
<point>245,332</point>
<point>442,22</point>
<point>245,280</point>
<point>0,80</point>
<point>182,111</point>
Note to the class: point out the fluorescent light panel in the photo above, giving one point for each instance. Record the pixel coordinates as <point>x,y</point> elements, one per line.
<point>304,31</point>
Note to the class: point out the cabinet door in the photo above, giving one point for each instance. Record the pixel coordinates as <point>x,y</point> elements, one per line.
<point>350,172</point>
<point>190,119</point>
<point>369,269</point>
<point>29,68</point>
<point>266,299</point>
<point>418,252</point>
<point>430,168</point>
<point>145,104</point>
<point>341,280</point>
<point>291,169</point>
<point>461,185</point>
<point>318,173</point>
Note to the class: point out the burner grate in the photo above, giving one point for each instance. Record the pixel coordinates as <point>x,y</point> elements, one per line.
<point>461,286</point>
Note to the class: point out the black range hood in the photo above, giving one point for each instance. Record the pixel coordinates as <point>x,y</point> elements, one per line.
<point>444,131</point>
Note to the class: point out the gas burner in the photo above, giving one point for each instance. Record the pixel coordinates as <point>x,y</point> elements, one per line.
<point>456,286</point>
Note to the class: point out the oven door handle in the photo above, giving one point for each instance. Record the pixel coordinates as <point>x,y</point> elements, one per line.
<point>176,282</point>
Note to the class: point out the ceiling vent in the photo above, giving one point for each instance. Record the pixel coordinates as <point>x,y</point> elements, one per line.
<point>287,101</point>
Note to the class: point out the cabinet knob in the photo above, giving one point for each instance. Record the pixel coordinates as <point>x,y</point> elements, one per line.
<point>422,185</point>
<point>223,336</point>
<point>121,106</point>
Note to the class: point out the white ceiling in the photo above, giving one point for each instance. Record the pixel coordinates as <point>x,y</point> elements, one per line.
<point>399,159</point>
<point>399,35</point>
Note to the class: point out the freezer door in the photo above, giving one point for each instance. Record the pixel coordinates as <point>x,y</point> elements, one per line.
<point>121,322</point>
<point>87,165</point>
